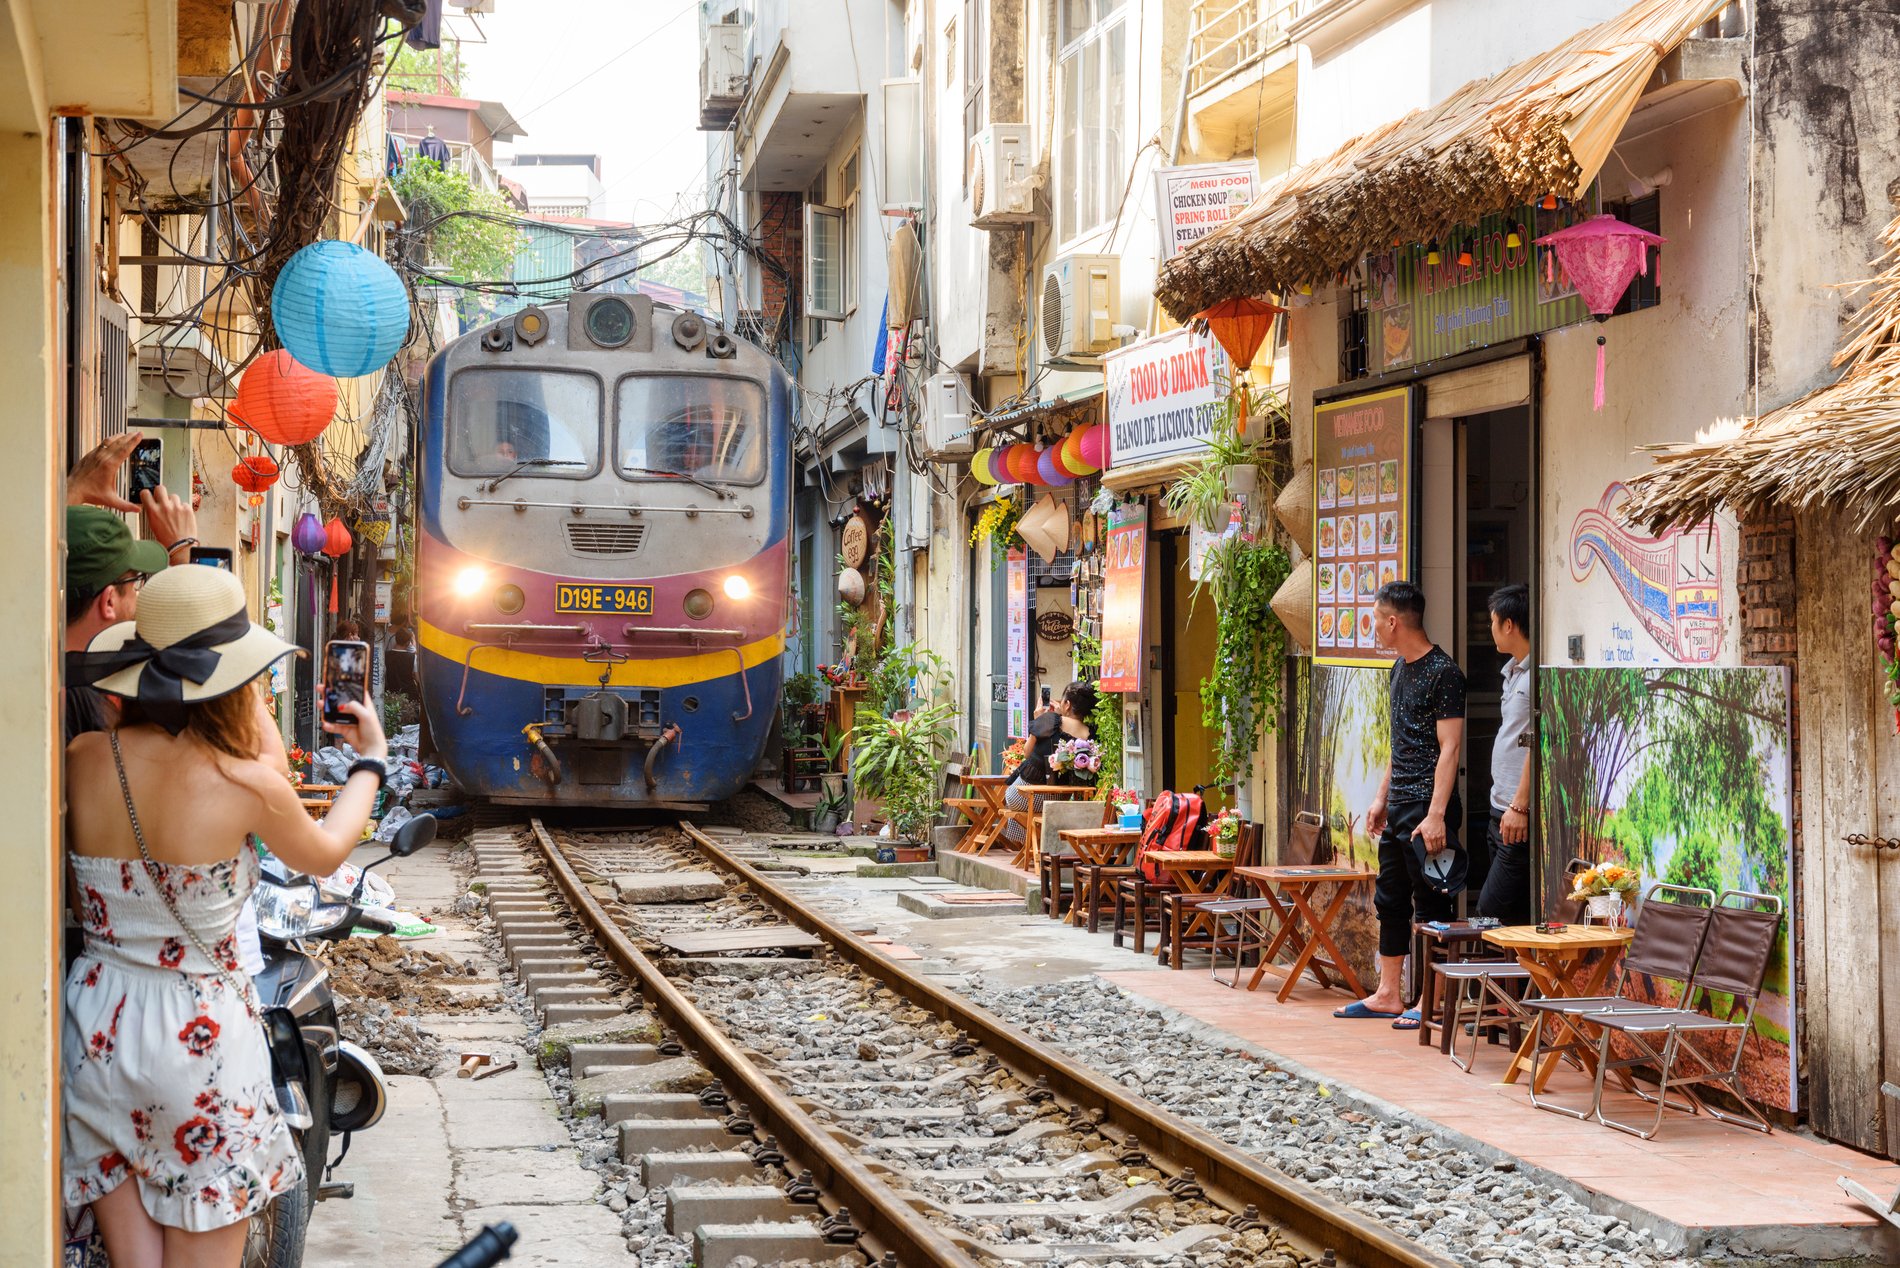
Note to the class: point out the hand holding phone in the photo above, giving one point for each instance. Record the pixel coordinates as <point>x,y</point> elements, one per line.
<point>345,677</point>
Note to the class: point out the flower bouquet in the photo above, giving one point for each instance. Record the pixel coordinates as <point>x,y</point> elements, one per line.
<point>837,675</point>
<point>1077,757</point>
<point>1013,755</point>
<point>299,763</point>
<point>1606,890</point>
<point>1225,830</point>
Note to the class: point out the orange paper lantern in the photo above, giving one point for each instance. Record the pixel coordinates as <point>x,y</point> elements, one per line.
<point>284,402</point>
<point>255,473</point>
<point>1241,325</point>
<point>1022,463</point>
<point>336,538</point>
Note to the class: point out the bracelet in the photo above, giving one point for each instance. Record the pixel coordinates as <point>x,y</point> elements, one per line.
<point>374,767</point>
<point>182,541</point>
<point>1522,810</point>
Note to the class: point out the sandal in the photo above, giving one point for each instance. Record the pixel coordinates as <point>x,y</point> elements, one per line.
<point>1407,1020</point>
<point>1357,1010</point>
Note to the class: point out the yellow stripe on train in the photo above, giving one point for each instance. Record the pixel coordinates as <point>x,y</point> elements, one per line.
<point>666,671</point>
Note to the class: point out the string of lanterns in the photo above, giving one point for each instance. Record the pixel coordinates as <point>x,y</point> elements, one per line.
<point>1080,453</point>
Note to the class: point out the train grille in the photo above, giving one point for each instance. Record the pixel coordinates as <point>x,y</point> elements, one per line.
<point>605,539</point>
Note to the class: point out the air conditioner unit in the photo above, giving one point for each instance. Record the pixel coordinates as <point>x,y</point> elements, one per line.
<point>1001,164</point>
<point>722,65</point>
<point>947,416</point>
<point>1081,296</point>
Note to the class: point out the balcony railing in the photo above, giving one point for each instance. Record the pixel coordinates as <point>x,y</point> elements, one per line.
<point>1227,36</point>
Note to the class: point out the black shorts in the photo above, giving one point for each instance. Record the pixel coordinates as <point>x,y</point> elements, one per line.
<point>1401,895</point>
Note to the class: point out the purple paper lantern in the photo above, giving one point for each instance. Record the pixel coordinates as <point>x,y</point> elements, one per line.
<point>999,465</point>
<point>308,536</point>
<point>1049,468</point>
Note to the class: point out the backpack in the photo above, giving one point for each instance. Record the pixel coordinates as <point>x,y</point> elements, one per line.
<point>1172,822</point>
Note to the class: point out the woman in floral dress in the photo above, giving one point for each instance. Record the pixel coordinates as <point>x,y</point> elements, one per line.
<point>171,1131</point>
<point>1067,719</point>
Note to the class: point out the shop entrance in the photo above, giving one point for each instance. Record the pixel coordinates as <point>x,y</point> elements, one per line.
<point>1187,654</point>
<point>1477,534</point>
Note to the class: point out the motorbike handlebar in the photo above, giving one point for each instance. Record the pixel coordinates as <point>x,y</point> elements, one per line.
<point>375,922</point>
<point>487,1248</point>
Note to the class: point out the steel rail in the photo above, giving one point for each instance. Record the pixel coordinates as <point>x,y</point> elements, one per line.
<point>1303,1213</point>
<point>889,1223</point>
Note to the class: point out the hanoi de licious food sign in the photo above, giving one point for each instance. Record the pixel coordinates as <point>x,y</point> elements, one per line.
<point>1362,503</point>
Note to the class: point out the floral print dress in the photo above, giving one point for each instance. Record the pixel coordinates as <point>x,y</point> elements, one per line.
<point>166,1077</point>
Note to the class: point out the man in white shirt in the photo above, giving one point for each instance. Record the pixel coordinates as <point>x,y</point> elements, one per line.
<point>1507,887</point>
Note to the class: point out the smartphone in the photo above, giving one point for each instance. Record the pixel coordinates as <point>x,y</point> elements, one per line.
<point>1045,697</point>
<point>144,468</point>
<point>215,556</point>
<point>345,677</point>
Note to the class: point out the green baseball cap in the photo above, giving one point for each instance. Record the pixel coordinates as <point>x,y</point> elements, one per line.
<point>100,549</point>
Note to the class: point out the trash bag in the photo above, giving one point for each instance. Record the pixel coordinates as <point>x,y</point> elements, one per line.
<point>377,892</point>
<point>393,818</point>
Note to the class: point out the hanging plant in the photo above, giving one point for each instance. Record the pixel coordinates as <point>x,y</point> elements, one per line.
<point>1205,492</point>
<point>998,523</point>
<point>1240,697</point>
<point>1887,616</point>
<point>1106,721</point>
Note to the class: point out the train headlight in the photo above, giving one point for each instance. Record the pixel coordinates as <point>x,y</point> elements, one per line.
<point>510,599</point>
<point>469,581</point>
<point>609,322</point>
<point>737,587</point>
<point>698,604</point>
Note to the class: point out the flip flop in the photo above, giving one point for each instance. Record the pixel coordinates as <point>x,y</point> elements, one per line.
<point>1407,1020</point>
<point>1358,1011</point>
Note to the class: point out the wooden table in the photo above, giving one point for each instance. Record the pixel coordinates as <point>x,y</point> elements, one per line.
<point>1307,931</point>
<point>1096,847</point>
<point>1035,794</point>
<point>1550,959</point>
<point>317,798</point>
<point>1202,873</point>
<point>988,824</point>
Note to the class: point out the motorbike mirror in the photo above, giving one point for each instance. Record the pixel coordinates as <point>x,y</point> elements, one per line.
<point>414,833</point>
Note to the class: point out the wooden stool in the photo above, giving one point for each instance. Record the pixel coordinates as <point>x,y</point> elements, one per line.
<point>1453,944</point>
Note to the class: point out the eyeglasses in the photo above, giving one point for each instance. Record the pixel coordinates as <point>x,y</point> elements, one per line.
<point>136,580</point>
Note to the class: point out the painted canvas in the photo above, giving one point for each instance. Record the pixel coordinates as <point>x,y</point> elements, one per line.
<point>1682,774</point>
<point>1671,584</point>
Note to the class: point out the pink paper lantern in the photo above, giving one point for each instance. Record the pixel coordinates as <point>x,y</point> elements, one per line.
<point>999,466</point>
<point>1049,469</point>
<point>1070,455</point>
<point>1094,446</point>
<point>1602,256</point>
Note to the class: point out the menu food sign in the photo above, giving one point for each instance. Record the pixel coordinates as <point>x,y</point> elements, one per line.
<point>1018,586</point>
<point>1192,202</point>
<point>1470,289</point>
<point>1123,564</point>
<point>1362,464</point>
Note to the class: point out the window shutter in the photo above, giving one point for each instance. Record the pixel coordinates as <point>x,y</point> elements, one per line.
<point>824,263</point>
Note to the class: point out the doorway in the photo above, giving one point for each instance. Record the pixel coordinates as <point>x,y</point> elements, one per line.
<point>1187,656</point>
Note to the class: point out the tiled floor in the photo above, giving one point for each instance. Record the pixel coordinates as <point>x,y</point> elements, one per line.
<point>1697,1173</point>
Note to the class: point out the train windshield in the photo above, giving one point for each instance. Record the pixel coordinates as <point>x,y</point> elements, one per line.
<point>691,425</point>
<point>539,423</point>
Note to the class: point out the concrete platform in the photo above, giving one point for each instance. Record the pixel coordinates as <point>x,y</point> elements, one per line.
<point>960,903</point>
<point>987,871</point>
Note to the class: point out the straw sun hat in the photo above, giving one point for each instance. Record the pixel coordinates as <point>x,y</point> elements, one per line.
<point>192,641</point>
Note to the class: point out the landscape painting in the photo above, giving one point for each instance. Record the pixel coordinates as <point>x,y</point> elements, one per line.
<point>1682,774</point>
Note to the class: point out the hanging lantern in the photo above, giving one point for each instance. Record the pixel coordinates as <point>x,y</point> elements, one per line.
<point>256,499</point>
<point>1049,469</point>
<point>1094,445</point>
<point>1022,464</point>
<point>1241,325</point>
<point>980,467</point>
<point>336,538</point>
<point>1069,453</point>
<point>1602,256</point>
<point>339,309</point>
<point>255,473</point>
<point>284,402</point>
<point>999,465</point>
<point>308,536</point>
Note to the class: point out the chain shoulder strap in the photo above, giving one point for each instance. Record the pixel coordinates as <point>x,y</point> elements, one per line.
<point>158,883</point>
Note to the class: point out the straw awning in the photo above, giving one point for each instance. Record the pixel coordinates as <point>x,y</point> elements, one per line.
<point>1836,447</point>
<point>1545,126</point>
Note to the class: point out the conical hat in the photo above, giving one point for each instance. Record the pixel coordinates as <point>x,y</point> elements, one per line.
<point>1045,526</point>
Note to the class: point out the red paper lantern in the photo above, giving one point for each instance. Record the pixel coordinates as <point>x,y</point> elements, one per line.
<point>1241,325</point>
<point>1022,464</point>
<point>255,473</point>
<point>336,538</point>
<point>284,402</point>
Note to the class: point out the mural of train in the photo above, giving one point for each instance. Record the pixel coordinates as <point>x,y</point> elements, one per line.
<point>602,557</point>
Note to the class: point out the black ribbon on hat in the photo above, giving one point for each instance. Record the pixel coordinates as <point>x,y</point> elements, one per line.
<point>161,685</point>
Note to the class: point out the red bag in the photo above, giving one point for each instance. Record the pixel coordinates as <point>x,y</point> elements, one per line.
<point>1173,822</point>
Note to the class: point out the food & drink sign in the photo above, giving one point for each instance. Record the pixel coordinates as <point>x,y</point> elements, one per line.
<point>1362,473</point>
<point>1162,394</point>
<point>1123,565</point>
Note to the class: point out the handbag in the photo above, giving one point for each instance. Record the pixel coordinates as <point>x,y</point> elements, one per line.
<point>1303,843</point>
<point>84,1247</point>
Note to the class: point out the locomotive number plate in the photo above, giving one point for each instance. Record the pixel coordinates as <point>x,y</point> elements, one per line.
<point>620,600</point>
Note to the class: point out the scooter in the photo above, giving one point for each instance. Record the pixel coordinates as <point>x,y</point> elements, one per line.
<point>326,1086</point>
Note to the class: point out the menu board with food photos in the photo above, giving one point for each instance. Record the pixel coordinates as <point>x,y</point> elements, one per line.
<point>1362,471</point>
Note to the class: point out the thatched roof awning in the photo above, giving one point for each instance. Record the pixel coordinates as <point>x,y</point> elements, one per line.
<point>1544,126</point>
<point>1838,446</point>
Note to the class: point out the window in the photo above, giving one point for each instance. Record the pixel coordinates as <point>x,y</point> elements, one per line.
<point>690,425</point>
<point>501,419</point>
<point>1093,105</point>
<point>975,76</point>
<point>824,251</point>
<point>1645,289</point>
<point>848,204</point>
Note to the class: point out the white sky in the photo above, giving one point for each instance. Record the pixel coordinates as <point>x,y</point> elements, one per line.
<point>618,78</point>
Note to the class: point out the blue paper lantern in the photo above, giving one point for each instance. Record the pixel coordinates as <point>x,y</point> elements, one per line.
<point>340,310</point>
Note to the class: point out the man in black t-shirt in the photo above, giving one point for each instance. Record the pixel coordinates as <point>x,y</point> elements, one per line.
<point>1416,812</point>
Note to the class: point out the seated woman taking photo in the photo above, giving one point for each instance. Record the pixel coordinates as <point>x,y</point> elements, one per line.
<point>1066,719</point>
<point>171,1130</point>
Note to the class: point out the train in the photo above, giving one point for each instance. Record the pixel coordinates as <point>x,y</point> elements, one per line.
<point>603,565</point>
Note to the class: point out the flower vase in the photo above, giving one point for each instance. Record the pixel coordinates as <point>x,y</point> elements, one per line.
<point>1607,908</point>
<point>1226,847</point>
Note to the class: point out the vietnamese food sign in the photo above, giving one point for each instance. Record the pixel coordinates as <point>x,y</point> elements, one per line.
<point>1017,584</point>
<point>1362,474</point>
<point>1124,563</point>
<point>1192,202</point>
<point>1162,395</point>
<point>1422,303</point>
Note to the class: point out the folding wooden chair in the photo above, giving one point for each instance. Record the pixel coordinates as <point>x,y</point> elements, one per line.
<point>1734,963</point>
<point>1670,931</point>
<point>1887,1209</point>
<point>1179,912</point>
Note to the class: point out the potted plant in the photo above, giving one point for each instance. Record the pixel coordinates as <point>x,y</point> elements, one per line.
<point>896,762</point>
<point>1225,830</point>
<point>832,806</point>
<point>1606,891</point>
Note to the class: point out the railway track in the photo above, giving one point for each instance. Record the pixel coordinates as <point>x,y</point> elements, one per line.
<point>880,1116</point>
